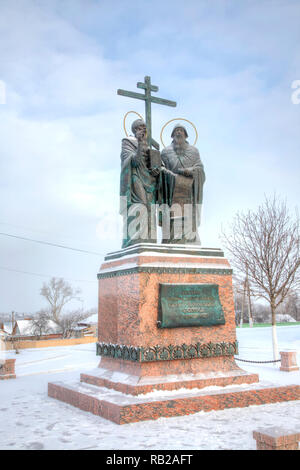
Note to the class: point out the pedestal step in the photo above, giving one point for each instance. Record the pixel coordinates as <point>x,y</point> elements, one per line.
<point>133,385</point>
<point>121,409</point>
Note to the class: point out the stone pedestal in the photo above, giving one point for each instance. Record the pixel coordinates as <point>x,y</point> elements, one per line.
<point>277,438</point>
<point>131,339</point>
<point>7,369</point>
<point>289,361</point>
<point>139,295</point>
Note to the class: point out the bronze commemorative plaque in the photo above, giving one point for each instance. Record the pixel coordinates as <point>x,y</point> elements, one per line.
<point>187,305</point>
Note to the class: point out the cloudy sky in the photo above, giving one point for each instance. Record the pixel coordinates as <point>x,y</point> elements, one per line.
<point>229,65</point>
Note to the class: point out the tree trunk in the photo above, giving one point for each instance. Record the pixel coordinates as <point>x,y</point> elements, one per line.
<point>274,333</point>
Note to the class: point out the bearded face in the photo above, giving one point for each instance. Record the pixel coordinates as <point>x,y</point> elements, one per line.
<point>140,132</point>
<point>179,140</point>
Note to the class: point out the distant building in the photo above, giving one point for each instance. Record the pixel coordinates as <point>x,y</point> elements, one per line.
<point>26,330</point>
<point>5,328</point>
<point>89,326</point>
<point>3,336</point>
<point>2,331</point>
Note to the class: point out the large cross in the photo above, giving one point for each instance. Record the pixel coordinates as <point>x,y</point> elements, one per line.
<point>148,98</point>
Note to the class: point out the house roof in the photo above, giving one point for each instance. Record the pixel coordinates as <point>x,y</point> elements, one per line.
<point>26,328</point>
<point>7,328</point>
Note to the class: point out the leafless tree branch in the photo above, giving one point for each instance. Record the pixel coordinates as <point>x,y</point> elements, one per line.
<point>267,244</point>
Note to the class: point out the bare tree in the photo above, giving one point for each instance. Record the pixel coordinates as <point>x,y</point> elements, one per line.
<point>40,323</point>
<point>69,321</point>
<point>238,299</point>
<point>261,312</point>
<point>58,293</point>
<point>291,305</point>
<point>266,244</point>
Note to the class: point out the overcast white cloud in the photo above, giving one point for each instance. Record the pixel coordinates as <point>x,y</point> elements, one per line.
<point>229,65</point>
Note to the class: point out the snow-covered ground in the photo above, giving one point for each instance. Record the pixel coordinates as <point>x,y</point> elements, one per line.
<point>32,420</point>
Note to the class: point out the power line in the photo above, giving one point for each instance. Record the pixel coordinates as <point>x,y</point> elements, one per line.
<point>40,231</point>
<point>51,244</point>
<point>44,275</point>
<point>30,229</point>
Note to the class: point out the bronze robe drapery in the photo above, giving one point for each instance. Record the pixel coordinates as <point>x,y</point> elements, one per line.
<point>137,186</point>
<point>187,158</point>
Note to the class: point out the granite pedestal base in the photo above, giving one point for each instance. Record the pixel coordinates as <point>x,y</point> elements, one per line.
<point>139,355</point>
<point>124,409</point>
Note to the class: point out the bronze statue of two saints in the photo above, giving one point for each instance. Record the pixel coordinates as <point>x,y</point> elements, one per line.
<point>163,189</point>
<point>156,188</point>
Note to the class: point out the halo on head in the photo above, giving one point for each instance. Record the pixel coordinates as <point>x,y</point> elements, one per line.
<point>178,119</point>
<point>124,120</point>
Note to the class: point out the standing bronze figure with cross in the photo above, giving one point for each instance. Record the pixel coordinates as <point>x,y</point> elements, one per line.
<point>141,178</point>
<point>148,98</point>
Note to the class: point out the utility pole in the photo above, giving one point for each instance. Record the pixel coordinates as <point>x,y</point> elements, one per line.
<point>12,332</point>
<point>12,321</point>
<point>249,300</point>
<point>246,293</point>
<point>243,305</point>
